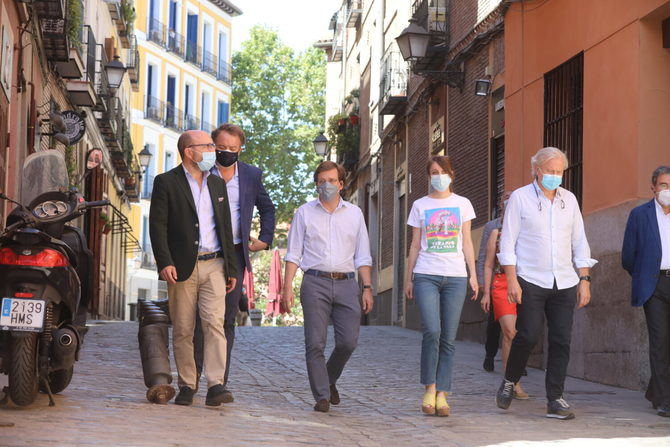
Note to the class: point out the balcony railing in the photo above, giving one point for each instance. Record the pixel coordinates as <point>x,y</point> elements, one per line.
<point>157,32</point>
<point>393,85</point>
<point>167,115</point>
<point>189,50</point>
<point>354,11</point>
<point>176,43</point>
<point>133,63</point>
<point>338,43</point>
<point>225,73</point>
<point>432,16</point>
<point>209,63</point>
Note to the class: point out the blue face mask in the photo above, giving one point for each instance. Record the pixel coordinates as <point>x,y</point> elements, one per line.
<point>551,181</point>
<point>440,182</point>
<point>207,162</point>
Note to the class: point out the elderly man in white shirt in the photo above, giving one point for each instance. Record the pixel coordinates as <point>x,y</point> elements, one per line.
<point>542,242</point>
<point>328,240</point>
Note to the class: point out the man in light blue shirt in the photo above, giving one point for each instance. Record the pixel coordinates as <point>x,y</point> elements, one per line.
<point>328,240</point>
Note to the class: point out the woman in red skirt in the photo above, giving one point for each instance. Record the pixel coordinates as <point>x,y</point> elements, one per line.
<point>495,288</point>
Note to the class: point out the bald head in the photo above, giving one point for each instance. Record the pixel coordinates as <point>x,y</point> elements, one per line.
<point>192,137</point>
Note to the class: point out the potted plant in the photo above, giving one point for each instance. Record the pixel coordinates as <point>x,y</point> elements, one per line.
<point>103,219</point>
<point>353,119</point>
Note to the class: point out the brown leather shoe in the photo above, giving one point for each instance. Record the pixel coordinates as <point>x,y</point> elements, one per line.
<point>334,395</point>
<point>323,406</point>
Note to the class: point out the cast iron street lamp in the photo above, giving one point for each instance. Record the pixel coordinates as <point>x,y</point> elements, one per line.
<point>413,42</point>
<point>145,157</point>
<point>115,71</point>
<point>320,145</point>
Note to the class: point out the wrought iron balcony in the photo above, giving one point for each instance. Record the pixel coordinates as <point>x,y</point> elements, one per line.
<point>209,64</point>
<point>154,110</point>
<point>393,85</point>
<point>157,32</point>
<point>354,11</point>
<point>133,64</point>
<point>338,43</point>
<point>193,53</point>
<point>174,118</point>
<point>176,43</point>
<point>191,122</point>
<point>50,9</point>
<point>432,16</point>
<point>225,73</point>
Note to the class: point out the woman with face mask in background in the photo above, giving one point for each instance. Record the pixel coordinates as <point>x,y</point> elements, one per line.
<point>438,278</point>
<point>495,289</point>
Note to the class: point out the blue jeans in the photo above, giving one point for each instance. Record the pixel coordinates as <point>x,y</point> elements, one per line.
<point>440,300</point>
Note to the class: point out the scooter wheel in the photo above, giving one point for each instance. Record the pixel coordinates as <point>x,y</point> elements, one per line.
<point>23,379</point>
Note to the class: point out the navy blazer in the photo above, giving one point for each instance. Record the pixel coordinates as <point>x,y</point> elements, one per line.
<point>641,252</point>
<point>253,194</point>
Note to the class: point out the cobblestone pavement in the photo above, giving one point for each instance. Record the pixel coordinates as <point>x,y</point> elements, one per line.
<point>105,404</point>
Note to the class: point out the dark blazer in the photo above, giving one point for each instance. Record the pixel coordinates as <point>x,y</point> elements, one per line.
<point>253,194</point>
<point>641,252</point>
<point>173,223</point>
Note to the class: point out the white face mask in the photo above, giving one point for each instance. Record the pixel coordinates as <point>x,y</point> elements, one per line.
<point>664,197</point>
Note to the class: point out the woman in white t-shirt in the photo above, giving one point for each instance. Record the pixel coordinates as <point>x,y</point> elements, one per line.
<point>437,277</point>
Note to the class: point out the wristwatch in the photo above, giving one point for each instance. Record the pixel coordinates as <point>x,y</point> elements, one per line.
<point>585,278</point>
<point>367,286</point>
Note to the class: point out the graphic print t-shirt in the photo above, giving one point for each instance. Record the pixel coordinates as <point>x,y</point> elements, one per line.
<point>441,222</point>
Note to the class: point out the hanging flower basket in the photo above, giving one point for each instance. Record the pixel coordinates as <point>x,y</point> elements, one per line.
<point>354,119</point>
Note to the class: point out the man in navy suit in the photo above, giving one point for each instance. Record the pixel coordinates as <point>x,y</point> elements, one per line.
<point>646,256</point>
<point>245,191</point>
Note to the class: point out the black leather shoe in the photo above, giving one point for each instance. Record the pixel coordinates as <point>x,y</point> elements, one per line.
<point>185,396</point>
<point>334,395</point>
<point>663,410</point>
<point>323,406</point>
<point>216,395</point>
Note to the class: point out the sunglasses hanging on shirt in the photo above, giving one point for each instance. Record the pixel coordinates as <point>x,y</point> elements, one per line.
<point>539,202</point>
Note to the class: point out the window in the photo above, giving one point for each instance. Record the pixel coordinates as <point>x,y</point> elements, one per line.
<point>146,241</point>
<point>205,111</point>
<point>222,112</point>
<point>497,172</point>
<point>563,117</point>
<point>169,161</point>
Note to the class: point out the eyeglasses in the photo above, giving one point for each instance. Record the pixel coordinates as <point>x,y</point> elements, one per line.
<point>203,147</point>
<point>323,182</point>
<point>222,147</point>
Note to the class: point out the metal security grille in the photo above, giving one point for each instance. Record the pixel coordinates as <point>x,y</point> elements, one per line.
<point>563,117</point>
<point>497,172</point>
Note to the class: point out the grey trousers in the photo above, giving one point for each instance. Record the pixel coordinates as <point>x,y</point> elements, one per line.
<point>322,300</point>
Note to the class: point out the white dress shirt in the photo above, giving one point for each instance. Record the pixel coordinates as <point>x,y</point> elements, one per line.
<point>330,242</point>
<point>209,240</point>
<point>543,239</point>
<point>664,231</point>
<point>233,187</point>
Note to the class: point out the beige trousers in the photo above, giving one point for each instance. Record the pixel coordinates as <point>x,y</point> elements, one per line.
<point>204,291</point>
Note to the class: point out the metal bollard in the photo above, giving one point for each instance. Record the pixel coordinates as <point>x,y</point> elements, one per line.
<point>155,353</point>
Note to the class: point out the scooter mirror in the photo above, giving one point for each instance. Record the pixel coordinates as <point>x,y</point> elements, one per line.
<point>93,159</point>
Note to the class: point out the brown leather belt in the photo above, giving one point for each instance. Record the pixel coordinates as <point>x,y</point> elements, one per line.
<point>330,275</point>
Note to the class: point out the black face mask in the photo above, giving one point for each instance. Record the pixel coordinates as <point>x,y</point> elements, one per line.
<point>225,158</point>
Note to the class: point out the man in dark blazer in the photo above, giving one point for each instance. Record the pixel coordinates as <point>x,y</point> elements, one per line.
<point>245,191</point>
<point>646,256</point>
<point>191,236</point>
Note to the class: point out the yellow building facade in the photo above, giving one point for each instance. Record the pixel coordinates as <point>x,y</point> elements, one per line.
<point>184,83</point>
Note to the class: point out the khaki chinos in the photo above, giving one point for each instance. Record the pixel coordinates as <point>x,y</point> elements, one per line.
<point>203,292</point>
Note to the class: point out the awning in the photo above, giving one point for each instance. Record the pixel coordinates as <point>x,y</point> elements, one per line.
<point>120,225</point>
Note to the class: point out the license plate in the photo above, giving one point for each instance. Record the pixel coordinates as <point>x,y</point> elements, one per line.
<point>20,314</point>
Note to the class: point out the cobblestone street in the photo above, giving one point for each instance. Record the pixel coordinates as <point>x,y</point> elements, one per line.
<point>105,404</point>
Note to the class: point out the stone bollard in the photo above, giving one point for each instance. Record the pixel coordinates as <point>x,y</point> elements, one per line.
<point>256,316</point>
<point>155,353</point>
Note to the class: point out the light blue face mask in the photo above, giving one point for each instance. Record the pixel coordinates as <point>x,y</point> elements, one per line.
<point>551,181</point>
<point>440,182</point>
<point>207,162</point>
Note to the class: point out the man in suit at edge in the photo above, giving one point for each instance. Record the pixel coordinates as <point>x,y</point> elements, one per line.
<point>646,256</point>
<point>244,184</point>
<point>191,236</point>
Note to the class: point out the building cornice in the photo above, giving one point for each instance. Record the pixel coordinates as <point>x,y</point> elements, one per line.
<point>227,7</point>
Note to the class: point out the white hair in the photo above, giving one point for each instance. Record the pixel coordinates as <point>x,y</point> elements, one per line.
<point>544,155</point>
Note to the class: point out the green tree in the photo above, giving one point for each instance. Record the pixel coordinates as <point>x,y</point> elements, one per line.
<point>278,99</point>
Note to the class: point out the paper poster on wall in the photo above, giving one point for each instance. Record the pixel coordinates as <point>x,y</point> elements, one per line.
<point>7,61</point>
